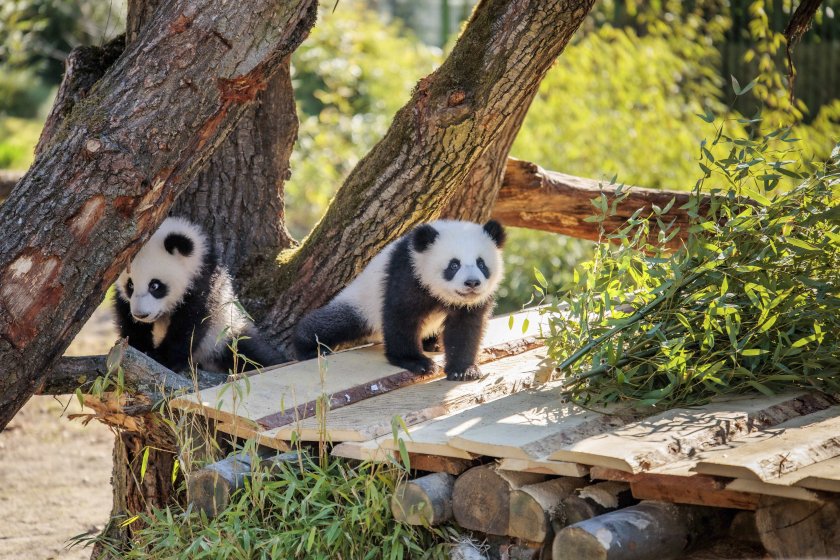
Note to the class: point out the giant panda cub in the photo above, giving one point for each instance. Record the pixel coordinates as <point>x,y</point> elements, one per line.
<point>176,301</point>
<point>440,276</point>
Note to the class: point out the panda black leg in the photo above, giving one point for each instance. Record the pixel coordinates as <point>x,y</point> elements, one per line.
<point>258,351</point>
<point>462,334</point>
<point>402,344</point>
<point>328,326</point>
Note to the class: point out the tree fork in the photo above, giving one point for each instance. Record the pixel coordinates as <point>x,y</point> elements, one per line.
<point>454,115</point>
<point>117,163</point>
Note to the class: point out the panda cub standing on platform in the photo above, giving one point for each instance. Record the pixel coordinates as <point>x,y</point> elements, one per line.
<point>440,276</point>
<point>176,301</point>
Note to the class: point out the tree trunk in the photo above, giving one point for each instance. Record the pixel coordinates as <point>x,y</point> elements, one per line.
<point>421,164</point>
<point>238,197</point>
<point>475,198</point>
<point>118,162</point>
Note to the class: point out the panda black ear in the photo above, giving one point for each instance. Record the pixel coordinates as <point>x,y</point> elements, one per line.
<point>495,230</point>
<point>178,242</point>
<point>423,237</point>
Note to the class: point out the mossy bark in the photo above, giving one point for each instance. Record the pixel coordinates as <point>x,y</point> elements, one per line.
<point>454,117</point>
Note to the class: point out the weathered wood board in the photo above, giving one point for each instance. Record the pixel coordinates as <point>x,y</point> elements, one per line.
<point>544,466</point>
<point>823,476</point>
<point>532,424</point>
<point>680,487</point>
<point>756,487</point>
<point>373,417</point>
<point>282,394</point>
<point>680,433</point>
<point>798,443</point>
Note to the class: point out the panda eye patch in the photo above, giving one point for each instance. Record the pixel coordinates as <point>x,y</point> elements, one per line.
<point>129,287</point>
<point>482,266</point>
<point>157,288</point>
<point>449,271</point>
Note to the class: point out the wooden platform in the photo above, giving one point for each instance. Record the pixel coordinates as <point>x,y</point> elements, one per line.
<point>726,453</point>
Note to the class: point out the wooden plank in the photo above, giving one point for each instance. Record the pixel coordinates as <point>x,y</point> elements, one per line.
<point>823,476</point>
<point>544,466</point>
<point>532,424</point>
<point>701,490</point>
<point>245,429</point>
<point>360,451</point>
<point>372,418</point>
<point>440,436</point>
<point>797,443</point>
<point>756,488</point>
<point>680,433</point>
<point>434,463</point>
<point>282,394</point>
<point>372,451</point>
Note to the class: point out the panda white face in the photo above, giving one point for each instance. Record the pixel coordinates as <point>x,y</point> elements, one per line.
<point>460,263</point>
<point>163,271</point>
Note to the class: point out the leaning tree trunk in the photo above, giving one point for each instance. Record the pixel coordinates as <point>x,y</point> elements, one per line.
<point>474,199</point>
<point>454,117</point>
<point>118,162</point>
<point>238,196</point>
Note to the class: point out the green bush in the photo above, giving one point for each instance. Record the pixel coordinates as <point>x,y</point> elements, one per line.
<point>350,76</point>
<point>17,142</point>
<point>750,303</point>
<point>309,511</point>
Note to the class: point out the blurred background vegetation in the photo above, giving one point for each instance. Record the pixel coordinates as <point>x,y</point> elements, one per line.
<point>623,100</point>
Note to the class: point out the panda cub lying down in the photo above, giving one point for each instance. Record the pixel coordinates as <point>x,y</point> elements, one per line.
<point>440,276</point>
<point>175,300</point>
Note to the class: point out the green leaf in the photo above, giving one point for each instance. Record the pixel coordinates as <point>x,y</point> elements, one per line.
<point>736,86</point>
<point>145,463</point>
<point>540,278</point>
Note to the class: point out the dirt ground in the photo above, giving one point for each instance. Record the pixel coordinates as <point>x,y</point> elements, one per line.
<point>55,474</point>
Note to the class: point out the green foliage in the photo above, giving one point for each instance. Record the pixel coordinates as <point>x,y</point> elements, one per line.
<point>350,76</point>
<point>307,510</point>
<point>17,142</point>
<point>555,255</point>
<point>752,302</point>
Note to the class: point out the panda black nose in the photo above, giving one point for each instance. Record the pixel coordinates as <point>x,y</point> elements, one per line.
<point>472,283</point>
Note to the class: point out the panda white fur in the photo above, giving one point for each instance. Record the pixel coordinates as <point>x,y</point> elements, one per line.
<point>440,276</point>
<point>176,302</point>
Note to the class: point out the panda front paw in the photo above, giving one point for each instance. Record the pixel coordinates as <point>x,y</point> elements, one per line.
<point>415,364</point>
<point>470,374</point>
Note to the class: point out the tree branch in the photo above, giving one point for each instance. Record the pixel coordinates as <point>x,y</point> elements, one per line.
<point>532,197</point>
<point>141,374</point>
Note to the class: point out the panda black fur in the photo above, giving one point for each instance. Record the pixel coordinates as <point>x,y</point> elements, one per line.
<point>441,275</point>
<point>176,301</point>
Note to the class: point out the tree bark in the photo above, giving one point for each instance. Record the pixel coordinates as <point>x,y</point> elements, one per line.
<point>238,197</point>
<point>118,162</point>
<point>454,115</point>
<point>475,198</point>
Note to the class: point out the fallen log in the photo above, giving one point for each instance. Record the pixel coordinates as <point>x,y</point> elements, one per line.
<point>210,489</point>
<point>532,197</point>
<point>481,498</point>
<point>533,507</point>
<point>799,529</point>
<point>593,500</point>
<point>641,532</point>
<point>424,501</point>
